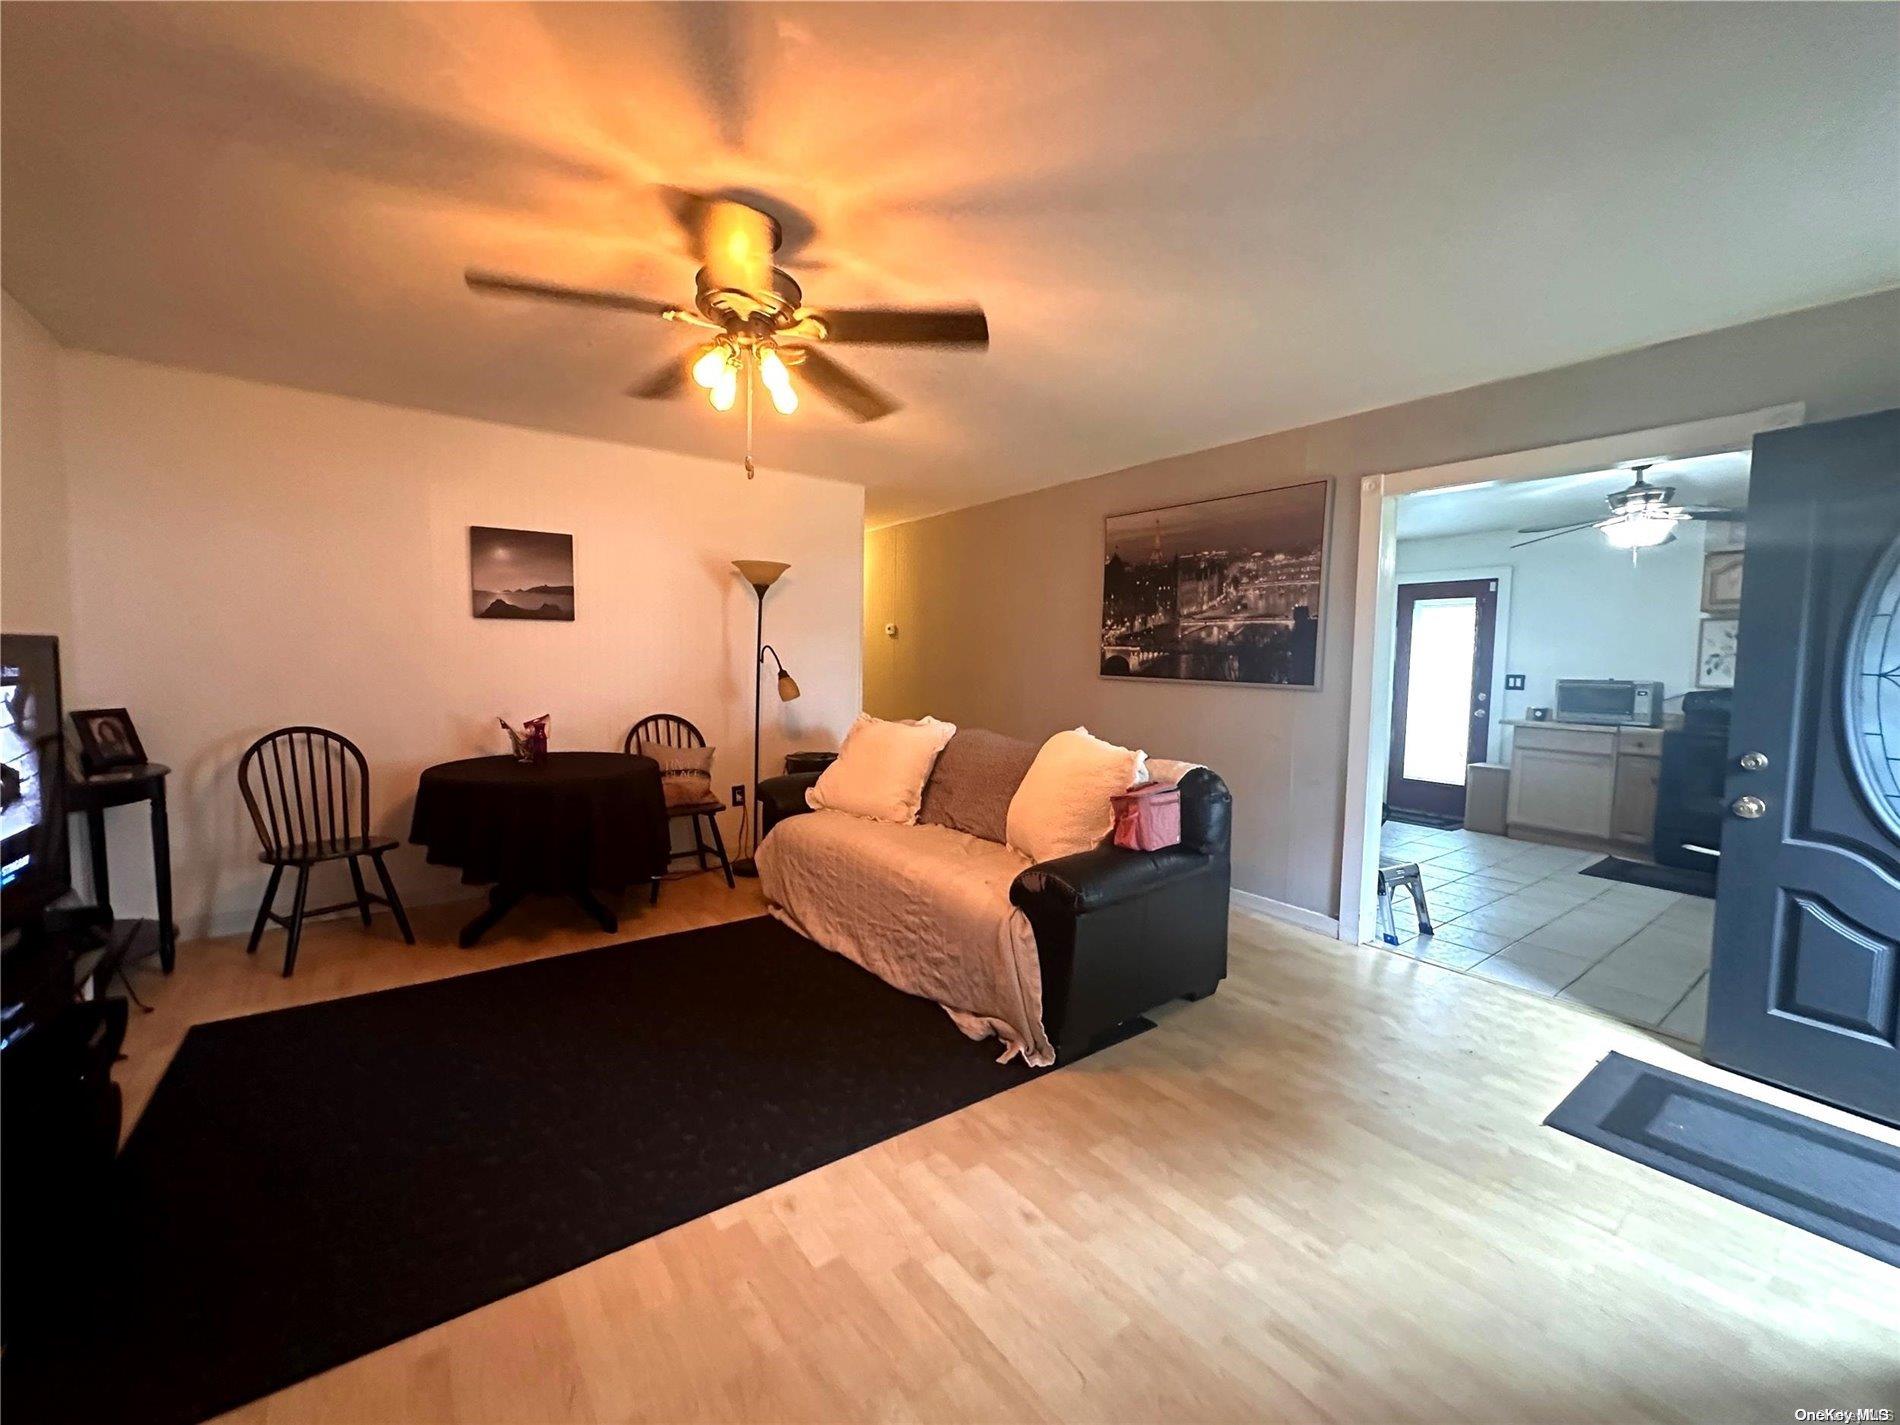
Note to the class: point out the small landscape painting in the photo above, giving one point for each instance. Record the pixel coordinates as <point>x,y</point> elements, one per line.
<point>521,573</point>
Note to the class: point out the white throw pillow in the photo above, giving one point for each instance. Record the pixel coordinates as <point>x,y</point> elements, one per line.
<point>1062,806</point>
<point>881,769</point>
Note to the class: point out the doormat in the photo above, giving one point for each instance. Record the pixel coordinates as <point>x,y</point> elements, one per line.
<point>1835,1184</point>
<point>1424,818</point>
<point>1686,879</point>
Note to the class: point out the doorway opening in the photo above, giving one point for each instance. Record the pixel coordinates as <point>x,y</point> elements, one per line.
<point>1566,846</point>
<point>1543,727</point>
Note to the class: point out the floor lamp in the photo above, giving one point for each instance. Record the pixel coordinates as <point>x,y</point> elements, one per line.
<point>761,574</point>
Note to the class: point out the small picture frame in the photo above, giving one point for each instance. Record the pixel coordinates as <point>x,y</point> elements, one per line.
<point>1722,582</point>
<point>107,740</point>
<point>1715,653</point>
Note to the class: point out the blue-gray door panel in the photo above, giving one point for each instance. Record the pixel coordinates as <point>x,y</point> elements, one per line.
<point>1804,989</point>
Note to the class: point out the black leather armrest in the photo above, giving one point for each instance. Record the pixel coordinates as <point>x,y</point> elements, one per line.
<point>1119,932</point>
<point>1102,876</point>
<point>780,797</point>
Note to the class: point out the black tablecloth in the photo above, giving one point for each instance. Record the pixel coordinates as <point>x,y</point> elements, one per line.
<point>578,820</point>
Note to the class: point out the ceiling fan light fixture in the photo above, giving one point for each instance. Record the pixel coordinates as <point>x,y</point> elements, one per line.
<point>777,378</point>
<point>1639,529</point>
<point>713,360</point>
<point>772,368</point>
<point>746,306</point>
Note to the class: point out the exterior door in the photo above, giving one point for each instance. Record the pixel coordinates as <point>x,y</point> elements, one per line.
<point>1441,693</point>
<point>1804,990</point>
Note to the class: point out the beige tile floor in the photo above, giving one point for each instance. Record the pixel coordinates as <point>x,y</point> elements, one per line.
<point>1518,912</point>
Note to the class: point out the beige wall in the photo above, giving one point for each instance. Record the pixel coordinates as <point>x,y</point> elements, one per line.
<point>998,606</point>
<point>35,582</point>
<point>247,556</point>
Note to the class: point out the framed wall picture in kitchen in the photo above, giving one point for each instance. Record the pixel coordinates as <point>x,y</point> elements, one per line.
<point>1715,653</point>
<point>1722,581</point>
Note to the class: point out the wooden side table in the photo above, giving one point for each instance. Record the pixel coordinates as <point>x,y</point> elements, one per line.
<point>126,786</point>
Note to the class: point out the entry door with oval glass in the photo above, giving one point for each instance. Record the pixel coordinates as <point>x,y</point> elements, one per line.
<point>1804,989</point>
<point>1441,693</point>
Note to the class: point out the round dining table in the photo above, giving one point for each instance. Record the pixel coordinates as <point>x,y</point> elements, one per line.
<point>571,825</point>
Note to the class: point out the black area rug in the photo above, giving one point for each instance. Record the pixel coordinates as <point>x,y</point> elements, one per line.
<point>1423,818</point>
<point>1686,879</point>
<point>311,1184</point>
<point>1837,1184</point>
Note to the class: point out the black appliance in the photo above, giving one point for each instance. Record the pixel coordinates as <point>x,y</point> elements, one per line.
<point>61,1133</point>
<point>1691,782</point>
<point>59,1109</point>
<point>34,867</point>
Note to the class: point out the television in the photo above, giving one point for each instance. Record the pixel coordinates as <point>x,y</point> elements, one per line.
<point>34,866</point>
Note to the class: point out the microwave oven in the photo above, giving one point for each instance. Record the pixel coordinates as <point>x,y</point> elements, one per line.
<point>1615,701</point>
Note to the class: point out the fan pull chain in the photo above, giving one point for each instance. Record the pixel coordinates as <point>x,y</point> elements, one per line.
<point>748,363</point>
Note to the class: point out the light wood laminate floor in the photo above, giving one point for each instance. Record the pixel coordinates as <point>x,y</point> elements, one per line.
<point>1324,1194</point>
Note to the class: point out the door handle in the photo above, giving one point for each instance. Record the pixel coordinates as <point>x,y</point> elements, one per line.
<point>1748,808</point>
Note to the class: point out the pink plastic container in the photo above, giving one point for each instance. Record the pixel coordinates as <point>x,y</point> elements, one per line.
<point>1148,817</point>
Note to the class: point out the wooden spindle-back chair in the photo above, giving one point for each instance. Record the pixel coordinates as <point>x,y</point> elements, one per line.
<point>307,790</point>
<point>672,730</point>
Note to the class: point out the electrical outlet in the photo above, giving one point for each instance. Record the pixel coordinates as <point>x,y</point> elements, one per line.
<point>738,794</point>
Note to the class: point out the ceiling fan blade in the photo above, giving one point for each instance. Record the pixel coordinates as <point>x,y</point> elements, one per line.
<point>907,326</point>
<point>670,380</point>
<point>502,285</point>
<point>859,398</point>
<point>1557,528</point>
<point>1554,534</point>
<point>1734,516</point>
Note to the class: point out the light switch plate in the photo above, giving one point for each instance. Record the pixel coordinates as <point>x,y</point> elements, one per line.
<point>1513,682</point>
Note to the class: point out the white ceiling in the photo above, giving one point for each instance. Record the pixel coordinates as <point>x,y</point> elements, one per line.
<point>1189,224</point>
<point>1705,481</point>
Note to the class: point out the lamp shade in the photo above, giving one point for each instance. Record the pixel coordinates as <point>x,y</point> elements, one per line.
<point>761,574</point>
<point>787,686</point>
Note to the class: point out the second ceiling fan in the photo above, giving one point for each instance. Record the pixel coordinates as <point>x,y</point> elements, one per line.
<point>1641,516</point>
<point>759,328</point>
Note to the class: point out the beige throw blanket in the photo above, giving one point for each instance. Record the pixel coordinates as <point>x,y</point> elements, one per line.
<point>923,908</point>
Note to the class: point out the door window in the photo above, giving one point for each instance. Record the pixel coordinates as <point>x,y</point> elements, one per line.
<point>1871,706</point>
<point>1438,690</point>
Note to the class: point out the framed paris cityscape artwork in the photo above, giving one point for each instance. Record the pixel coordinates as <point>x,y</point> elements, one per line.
<point>1228,590</point>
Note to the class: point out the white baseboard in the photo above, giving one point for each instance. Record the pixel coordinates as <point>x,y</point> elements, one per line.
<point>1280,910</point>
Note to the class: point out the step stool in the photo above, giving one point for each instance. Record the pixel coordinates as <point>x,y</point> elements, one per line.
<point>1392,875</point>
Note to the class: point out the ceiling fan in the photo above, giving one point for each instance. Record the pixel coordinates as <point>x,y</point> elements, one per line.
<point>1641,516</point>
<point>761,330</point>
